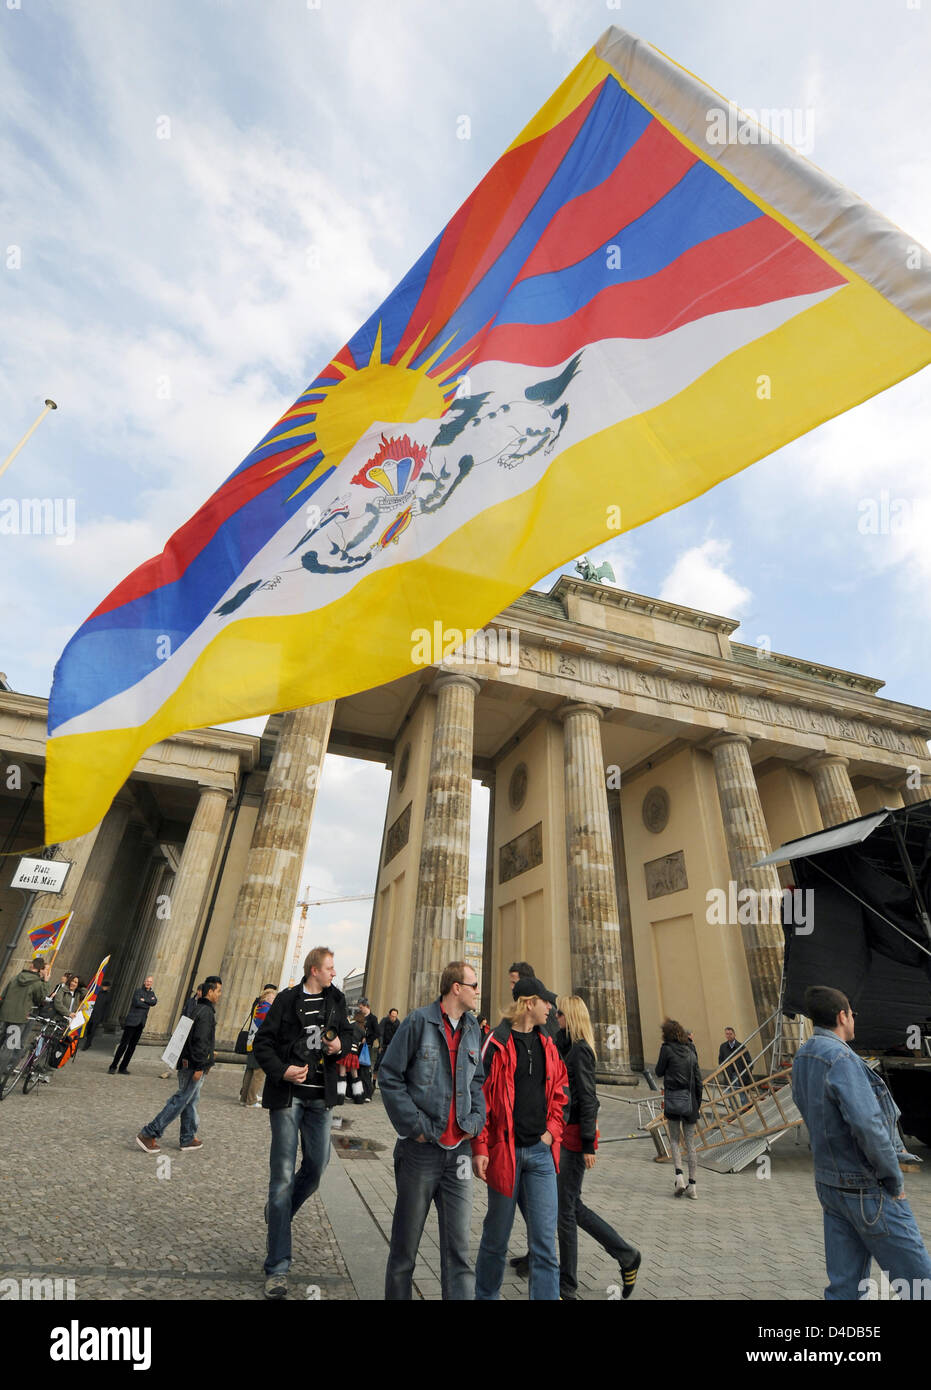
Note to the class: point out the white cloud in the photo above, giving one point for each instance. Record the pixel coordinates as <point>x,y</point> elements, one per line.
<point>570,25</point>
<point>700,579</point>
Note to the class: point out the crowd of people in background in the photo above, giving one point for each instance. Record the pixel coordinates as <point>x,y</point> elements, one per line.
<point>514,1106</point>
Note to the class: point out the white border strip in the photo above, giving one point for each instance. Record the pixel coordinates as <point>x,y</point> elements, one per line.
<point>843,224</point>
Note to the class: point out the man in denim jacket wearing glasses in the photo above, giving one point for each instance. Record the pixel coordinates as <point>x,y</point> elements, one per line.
<point>431,1084</point>
<point>851,1119</point>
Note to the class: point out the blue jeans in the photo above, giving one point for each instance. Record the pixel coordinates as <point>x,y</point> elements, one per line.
<point>864,1224</point>
<point>535,1193</point>
<point>288,1190</point>
<point>183,1103</point>
<point>425,1173</point>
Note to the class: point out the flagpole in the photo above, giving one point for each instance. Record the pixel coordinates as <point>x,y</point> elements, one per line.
<point>49,405</point>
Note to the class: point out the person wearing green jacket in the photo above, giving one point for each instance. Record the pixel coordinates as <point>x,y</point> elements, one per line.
<point>23,994</point>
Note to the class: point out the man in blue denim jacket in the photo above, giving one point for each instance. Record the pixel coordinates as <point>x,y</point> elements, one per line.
<point>431,1084</point>
<point>851,1119</point>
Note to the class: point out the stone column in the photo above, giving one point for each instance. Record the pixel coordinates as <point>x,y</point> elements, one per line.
<point>177,937</point>
<point>441,910</point>
<point>258,939</point>
<point>631,992</point>
<point>837,800</point>
<point>99,872</point>
<point>912,795</point>
<point>488,932</point>
<point>109,932</point>
<point>747,841</point>
<point>594,929</point>
<point>135,959</point>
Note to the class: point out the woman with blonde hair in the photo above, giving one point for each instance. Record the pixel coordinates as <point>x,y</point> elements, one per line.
<point>682,1092</point>
<point>517,1152</point>
<point>576,1042</point>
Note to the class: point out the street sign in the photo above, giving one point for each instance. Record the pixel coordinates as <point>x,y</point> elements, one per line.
<point>41,875</point>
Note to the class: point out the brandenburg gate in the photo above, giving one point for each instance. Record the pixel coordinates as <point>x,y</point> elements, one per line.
<point>638,761</point>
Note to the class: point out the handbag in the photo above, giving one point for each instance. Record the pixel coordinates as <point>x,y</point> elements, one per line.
<point>365,1059</point>
<point>677,1104</point>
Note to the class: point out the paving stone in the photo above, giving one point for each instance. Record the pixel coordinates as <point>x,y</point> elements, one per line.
<point>184,1227</point>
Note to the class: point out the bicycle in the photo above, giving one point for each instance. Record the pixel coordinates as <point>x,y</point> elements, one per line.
<point>29,1067</point>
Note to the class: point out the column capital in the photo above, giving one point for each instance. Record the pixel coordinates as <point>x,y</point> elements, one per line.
<point>579,707</point>
<point>904,784</point>
<point>819,760</point>
<point>725,736</point>
<point>445,678</point>
<point>204,787</point>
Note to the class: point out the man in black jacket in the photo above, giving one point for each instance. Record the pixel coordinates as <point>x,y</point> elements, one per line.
<point>143,1000</point>
<point>735,1052</point>
<point>370,1026</point>
<point>389,1026</point>
<point>305,1031</point>
<point>195,1061</point>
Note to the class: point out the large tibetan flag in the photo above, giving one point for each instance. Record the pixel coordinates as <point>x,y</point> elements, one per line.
<point>643,296</point>
<point>46,940</point>
<point>79,1020</point>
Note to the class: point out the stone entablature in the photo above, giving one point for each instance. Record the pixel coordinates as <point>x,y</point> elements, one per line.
<point>210,757</point>
<point>616,668</point>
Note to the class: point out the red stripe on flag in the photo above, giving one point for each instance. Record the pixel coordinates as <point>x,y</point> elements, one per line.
<point>652,166</point>
<point>488,219</point>
<point>754,264</point>
<point>190,539</point>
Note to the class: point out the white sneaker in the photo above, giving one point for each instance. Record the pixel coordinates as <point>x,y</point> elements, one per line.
<point>692,1191</point>
<point>256,1105</point>
<point>679,1187</point>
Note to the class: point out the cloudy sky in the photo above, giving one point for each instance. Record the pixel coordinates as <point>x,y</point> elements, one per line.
<point>201,202</point>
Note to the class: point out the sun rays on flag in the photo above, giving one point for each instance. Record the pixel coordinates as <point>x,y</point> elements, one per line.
<point>347,399</point>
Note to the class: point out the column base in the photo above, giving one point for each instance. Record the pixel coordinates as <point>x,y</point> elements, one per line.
<point>617,1078</point>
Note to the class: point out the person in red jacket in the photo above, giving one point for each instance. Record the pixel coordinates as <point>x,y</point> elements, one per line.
<point>517,1152</point>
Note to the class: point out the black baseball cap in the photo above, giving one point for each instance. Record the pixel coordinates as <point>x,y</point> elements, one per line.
<point>528,985</point>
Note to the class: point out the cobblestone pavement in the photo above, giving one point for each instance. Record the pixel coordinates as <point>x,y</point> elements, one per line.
<point>124,1225</point>
<point>746,1237</point>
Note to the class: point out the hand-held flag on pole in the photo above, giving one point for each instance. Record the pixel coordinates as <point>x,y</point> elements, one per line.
<point>79,1020</point>
<point>633,305</point>
<point>46,940</point>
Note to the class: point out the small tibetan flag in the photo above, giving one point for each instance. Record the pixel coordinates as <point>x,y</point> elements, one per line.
<point>258,1018</point>
<point>46,940</point>
<point>79,1020</point>
<point>644,295</point>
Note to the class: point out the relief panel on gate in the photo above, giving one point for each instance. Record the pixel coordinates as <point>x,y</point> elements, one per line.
<point>398,834</point>
<point>665,875</point>
<point>524,852</point>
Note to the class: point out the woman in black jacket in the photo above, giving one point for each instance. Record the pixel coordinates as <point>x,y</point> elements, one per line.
<point>576,1043</point>
<point>682,1089</point>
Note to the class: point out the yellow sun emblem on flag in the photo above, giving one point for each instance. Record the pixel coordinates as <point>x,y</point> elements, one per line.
<point>336,415</point>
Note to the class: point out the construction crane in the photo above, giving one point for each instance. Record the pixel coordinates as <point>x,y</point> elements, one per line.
<point>304,904</point>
